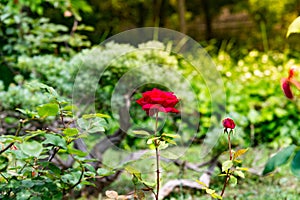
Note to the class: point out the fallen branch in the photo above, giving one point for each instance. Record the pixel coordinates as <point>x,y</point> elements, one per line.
<point>205,178</point>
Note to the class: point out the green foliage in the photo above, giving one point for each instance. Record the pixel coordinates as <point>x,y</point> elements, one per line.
<point>26,169</point>
<point>295,165</point>
<point>279,159</point>
<point>255,98</point>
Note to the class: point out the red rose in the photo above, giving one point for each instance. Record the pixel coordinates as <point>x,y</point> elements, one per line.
<point>286,87</point>
<point>228,123</point>
<point>155,101</point>
<point>286,83</point>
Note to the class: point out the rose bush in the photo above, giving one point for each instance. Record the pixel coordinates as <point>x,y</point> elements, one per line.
<point>156,100</point>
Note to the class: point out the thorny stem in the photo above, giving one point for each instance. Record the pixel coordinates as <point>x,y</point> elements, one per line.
<point>56,149</point>
<point>61,115</point>
<point>229,146</point>
<point>17,133</point>
<point>80,178</point>
<point>157,158</point>
<point>227,172</point>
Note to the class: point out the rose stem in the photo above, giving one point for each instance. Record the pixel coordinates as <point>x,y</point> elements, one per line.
<point>227,173</point>
<point>157,158</point>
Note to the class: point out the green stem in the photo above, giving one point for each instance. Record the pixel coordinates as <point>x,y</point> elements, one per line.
<point>157,158</point>
<point>229,146</point>
<point>227,172</point>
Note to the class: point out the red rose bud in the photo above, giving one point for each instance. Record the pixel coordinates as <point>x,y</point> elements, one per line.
<point>13,147</point>
<point>228,123</point>
<point>286,87</point>
<point>156,100</point>
<point>292,72</point>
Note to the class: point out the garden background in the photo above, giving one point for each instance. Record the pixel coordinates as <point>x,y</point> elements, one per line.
<point>52,149</point>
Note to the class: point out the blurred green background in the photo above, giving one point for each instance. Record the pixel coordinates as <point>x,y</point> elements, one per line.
<point>44,41</point>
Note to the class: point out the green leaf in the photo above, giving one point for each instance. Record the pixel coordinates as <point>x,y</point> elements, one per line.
<point>239,173</point>
<point>209,191</point>
<point>3,163</point>
<point>294,27</point>
<point>171,135</point>
<point>132,170</point>
<point>23,195</point>
<point>168,140</point>
<point>216,196</point>
<point>71,131</point>
<point>49,109</point>
<point>52,167</point>
<point>55,140</point>
<point>226,165</point>
<point>27,112</point>
<point>77,152</point>
<point>201,183</point>
<point>233,181</point>
<point>92,125</point>
<point>295,165</point>
<point>88,116</point>
<point>32,148</point>
<point>150,184</point>
<point>279,159</point>
<point>242,168</point>
<point>141,132</point>
<point>104,172</point>
<point>88,183</point>
<point>48,89</point>
<point>151,140</point>
<point>135,180</point>
<point>31,134</point>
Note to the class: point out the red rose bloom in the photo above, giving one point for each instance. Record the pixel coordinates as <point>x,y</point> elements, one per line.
<point>286,83</point>
<point>228,123</point>
<point>286,87</point>
<point>155,101</point>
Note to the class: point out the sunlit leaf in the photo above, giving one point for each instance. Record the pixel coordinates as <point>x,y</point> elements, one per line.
<point>49,109</point>
<point>242,168</point>
<point>171,135</point>
<point>70,131</point>
<point>239,153</point>
<point>226,165</point>
<point>168,140</point>
<point>201,183</point>
<point>239,173</point>
<point>141,132</point>
<point>88,116</point>
<point>209,191</point>
<point>294,27</point>
<point>216,196</point>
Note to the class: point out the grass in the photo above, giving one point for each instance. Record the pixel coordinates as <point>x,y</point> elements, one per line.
<point>280,185</point>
